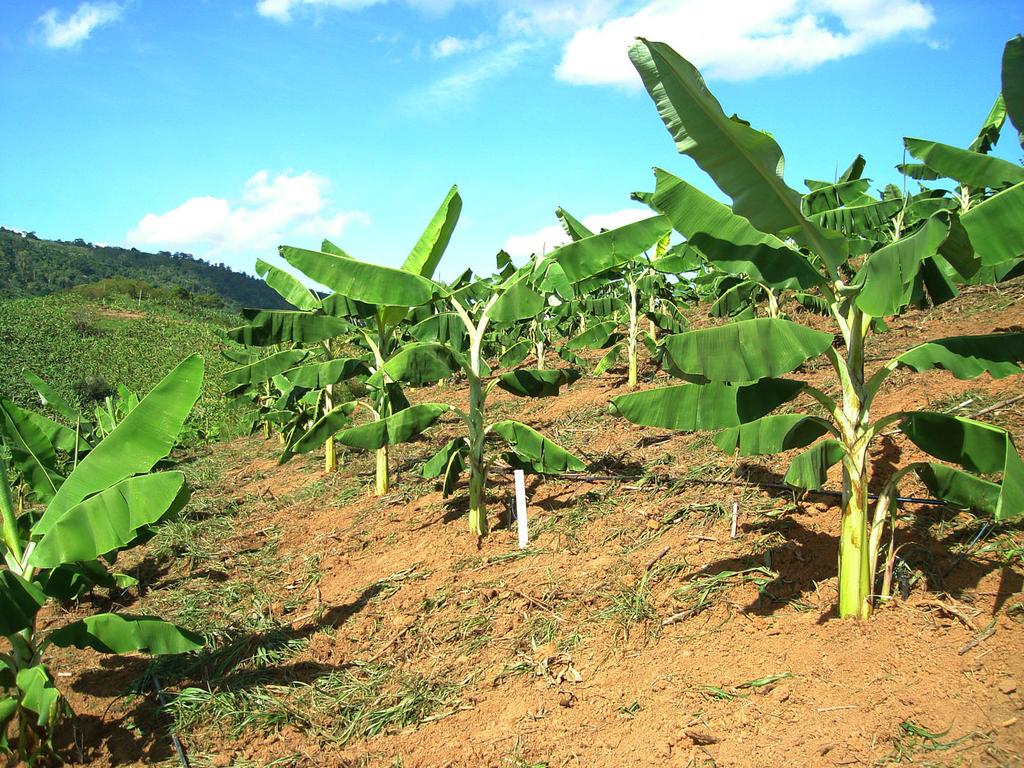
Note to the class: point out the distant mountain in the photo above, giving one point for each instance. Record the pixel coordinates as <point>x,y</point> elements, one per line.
<point>31,266</point>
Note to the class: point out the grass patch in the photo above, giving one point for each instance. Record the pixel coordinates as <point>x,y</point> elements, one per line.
<point>913,739</point>
<point>384,588</point>
<point>629,602</point>
<point>567,524</point>
<point>703,591</point>
<point>359,702</point>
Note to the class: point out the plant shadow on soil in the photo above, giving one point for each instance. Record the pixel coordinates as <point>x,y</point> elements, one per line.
<point>807,557</point>
<point>141,732</point>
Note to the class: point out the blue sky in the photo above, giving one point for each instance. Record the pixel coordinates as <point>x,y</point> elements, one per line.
<point>226,127</point>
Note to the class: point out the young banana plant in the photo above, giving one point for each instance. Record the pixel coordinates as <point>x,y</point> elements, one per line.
<point>736,372</point>
<point>613,262</point>
<point>108,503</point>
<point>478,305</point>
<point>382,298</point>
<point>311,330</point>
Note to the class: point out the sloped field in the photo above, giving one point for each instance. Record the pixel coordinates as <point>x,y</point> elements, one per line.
<point>353,630</point>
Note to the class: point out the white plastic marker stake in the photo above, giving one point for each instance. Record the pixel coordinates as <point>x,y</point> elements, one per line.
<point>524,533</point>
<point>735,514</point>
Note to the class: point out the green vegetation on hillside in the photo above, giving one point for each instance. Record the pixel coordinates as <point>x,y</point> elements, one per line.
<point>84,350</point>
<point>30,266</point>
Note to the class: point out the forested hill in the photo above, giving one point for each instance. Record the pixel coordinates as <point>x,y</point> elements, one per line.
<point>31,266</point>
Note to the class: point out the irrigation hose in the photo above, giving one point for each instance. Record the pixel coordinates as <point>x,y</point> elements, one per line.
<point>180,750</point>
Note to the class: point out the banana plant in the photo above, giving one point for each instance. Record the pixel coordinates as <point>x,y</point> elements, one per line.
<point>384,297</point>
<point>109,502</point>
<point>75,435</point>
<point>735,372</point>
<point>114,410</point>
<point>478,305</point>
<point>614,262</point>
<point>315,333</point>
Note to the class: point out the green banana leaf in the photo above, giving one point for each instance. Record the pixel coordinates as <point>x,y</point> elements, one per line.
<point>20,601</point>
<point>361,281</point>
<point>918,171</point>
<point>321,429</point>
<point>679,259</point>
<point>519,302</point>
<point>824,196</point>
<point>419,363</point>
<point>31,452</point>
<point>967,357</point>
<point>143,438</point>
<point>887,276</point>
<point>1013,83</point>
<point>974,445</point>
<point>728,240</point>
<point>342,307</point>
<point>736,300</point>
<point>72,580</point>
<point>607,250</point>
<point>266,368</point>
<point>8,709</point>
<point>609,358</point>
<point>59,436</point>
<point>450,462</point>
<point>272,327</point>
<point>425,255</point>
<point>446,328</point>
<point>809,469</point>
<point>970,168</point>
<point>690,407</point>
<point>40,696</point>
<point>287,286</point>
<point>515,354</point>
<point>998,273</point>
<point>747,350</point>
<point>113,633</point>
<point>556,282</point>
<point>436,464</point>
<point>573,227</point>
<point>600,336</point>
<point>988,134</point>
<point>668,318</point>
<point>772,434</point>
<point>48,396</point>
<point>397,428</point>
<point>531,450</point>
<point>531,382</point>
<point>745,163</point>
<point>324,374</point>
<point>960,488</point>
<point>110,520</point>
<point>994,227</point>
<point>860,218</point>
<point>239,356</point>
<point>936,279</point>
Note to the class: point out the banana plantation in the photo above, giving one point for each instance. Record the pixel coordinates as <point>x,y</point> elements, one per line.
<point>763,326</point>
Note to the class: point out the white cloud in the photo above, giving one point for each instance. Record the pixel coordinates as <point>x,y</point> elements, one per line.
<point>550,237</point>
<point>451,45</point>
<point>70,31</point>
<point>447,46</point>
<point>740,39</point>
<point>462,84</point>
<point>554,18</point>
<point>281,10</point>
<point>270,211</point>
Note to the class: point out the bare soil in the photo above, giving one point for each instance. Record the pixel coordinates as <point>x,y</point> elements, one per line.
<point>633,632</point>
